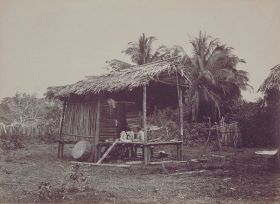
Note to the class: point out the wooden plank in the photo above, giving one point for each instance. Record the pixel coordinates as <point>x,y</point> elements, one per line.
<point>164,143</point>
<point>107,152</point>
<point>188,172</point>
<point>73,135</point>
<point>168,161</point>
<point>134,162</point>
<point>95,164</point>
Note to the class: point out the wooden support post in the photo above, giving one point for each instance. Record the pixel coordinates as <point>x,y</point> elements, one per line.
<point>181,112</point>
<point>146,160</point>
<point>180,102</point>
<point>179,152</point>
<point>145,124</point>
<point>95,153</point>
<point>145,113</point>
<point>60,142</point>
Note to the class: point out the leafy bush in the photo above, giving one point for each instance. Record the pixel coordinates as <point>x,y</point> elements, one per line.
<point>75,179</point>
<point>168,122</point>
<point>195,133</point>
<point>48,193</point>
<point>256,122</point>
<point>11,141</point>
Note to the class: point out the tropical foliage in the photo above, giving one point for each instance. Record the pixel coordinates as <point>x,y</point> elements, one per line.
<point>271,90</point>
<point>216,81</point>
<point>24,113</point>
<point>256,123</point>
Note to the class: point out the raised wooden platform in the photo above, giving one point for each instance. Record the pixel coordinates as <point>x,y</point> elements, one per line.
<point>147,148</point>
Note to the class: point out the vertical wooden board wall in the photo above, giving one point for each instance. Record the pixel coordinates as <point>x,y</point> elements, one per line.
<point>132,115</point>
<point>108,128</point>
<point>80,120</point>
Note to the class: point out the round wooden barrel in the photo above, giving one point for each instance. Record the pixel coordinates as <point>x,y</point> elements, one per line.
<point>81,150</point>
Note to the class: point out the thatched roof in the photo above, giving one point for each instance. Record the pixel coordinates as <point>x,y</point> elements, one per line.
<point>272,81</point>
<point>126,79</point>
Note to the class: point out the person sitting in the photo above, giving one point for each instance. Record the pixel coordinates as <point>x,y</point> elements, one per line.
<point>140,134</point>
<point>124,137</point>
<point>130,134</point>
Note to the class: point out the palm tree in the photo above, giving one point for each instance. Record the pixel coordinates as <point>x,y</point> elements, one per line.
<point>215,79</point>
<point>141,51</point>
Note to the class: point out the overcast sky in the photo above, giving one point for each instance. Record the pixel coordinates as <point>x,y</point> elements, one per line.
<point>57,42</point>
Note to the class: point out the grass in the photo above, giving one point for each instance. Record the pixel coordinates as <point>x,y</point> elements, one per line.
<point>238,177</point>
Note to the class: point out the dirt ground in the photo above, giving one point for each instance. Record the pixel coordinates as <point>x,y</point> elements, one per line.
<point>231,176</point>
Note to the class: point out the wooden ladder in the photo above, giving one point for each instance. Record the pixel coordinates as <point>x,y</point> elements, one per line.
<point>107,152</point>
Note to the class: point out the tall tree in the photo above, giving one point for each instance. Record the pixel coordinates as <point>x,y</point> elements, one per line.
<point>216,82</point>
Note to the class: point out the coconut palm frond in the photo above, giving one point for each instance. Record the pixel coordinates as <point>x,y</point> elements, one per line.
<point>141,51</point>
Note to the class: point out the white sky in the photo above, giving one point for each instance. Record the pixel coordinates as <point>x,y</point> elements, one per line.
<point>57,42</point>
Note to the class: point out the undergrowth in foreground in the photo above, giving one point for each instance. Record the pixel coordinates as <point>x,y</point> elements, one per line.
<point>75,180</point>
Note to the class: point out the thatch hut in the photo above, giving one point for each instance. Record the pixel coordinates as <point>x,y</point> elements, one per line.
<point>272,81</point>
<point>99,107</point>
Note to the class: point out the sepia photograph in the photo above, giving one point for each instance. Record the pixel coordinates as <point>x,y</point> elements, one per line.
<point>139,101</point>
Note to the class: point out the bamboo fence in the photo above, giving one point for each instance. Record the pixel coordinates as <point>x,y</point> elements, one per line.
<point>26,131</point>
<point>229,134</point>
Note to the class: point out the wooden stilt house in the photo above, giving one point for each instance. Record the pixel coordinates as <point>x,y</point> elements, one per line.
<point>98,108</point>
